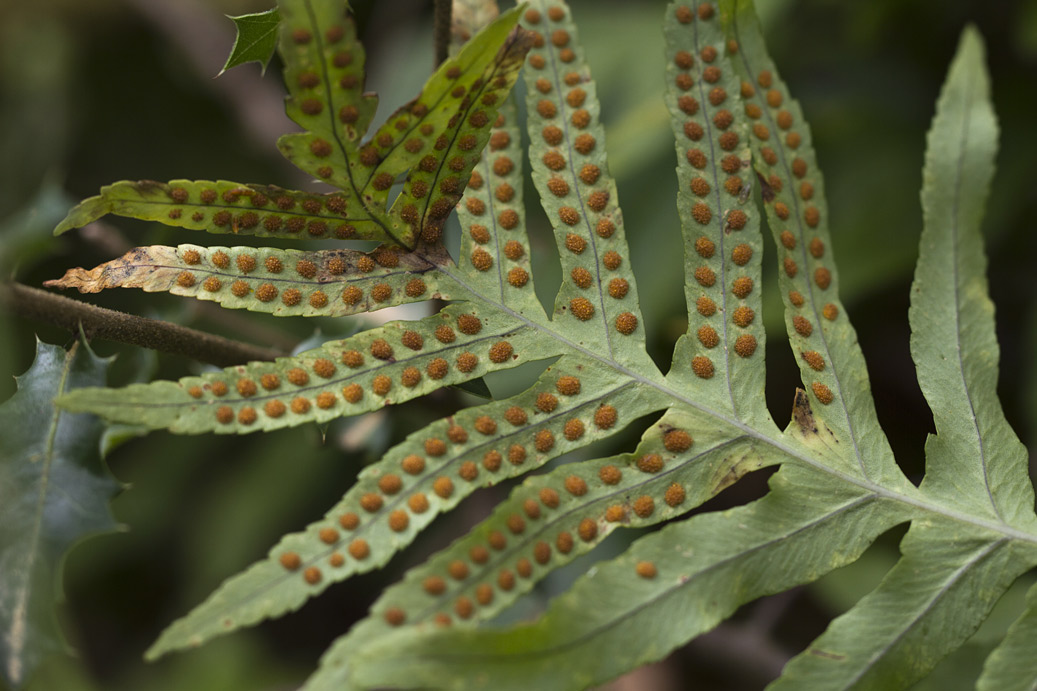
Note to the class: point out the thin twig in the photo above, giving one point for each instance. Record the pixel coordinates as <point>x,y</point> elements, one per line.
<point>110,325</point>
<point>441,29</point>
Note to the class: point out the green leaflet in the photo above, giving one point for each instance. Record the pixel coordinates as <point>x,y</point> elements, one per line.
<point>975,456</point>
<point>1012,666</point>
<point>326,283</point>
<point>667,588</point>
<point>256,39</point>
<point>54,491</point>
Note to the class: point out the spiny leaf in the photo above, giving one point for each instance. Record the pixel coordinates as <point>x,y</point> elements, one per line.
<point>228,207</point>
<point>256,39</point>
<point>953,342</point>
<point>53,492</point>
<point>325,283</point>
<point>390,364</point>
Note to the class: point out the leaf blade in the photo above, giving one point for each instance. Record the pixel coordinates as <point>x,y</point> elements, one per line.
<point>975,457</point>
<point>256,39</point>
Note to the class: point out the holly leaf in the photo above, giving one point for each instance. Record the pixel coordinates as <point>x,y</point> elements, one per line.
<point>54,491</point>
<point>256,39</point>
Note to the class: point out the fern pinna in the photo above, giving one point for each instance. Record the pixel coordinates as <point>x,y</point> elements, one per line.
<point>742,147</point>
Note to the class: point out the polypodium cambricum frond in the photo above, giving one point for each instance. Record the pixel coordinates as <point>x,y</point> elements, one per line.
<point>972,526</point>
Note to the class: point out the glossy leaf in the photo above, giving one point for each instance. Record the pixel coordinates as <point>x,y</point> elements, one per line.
<point>256,39</point>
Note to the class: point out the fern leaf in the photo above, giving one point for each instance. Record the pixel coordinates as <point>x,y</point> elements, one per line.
<point>721,357</point>
<point>597,301</point>
<point>391,364</point>
<point>822,338</point>
<point>1012,665</point>
<point>971,522</point>
<point>975,456</point>
<point>669,587</point>
<point>226,207</point>
<point>431,471</point>
<point>325,283</point>
<point>256,39</point>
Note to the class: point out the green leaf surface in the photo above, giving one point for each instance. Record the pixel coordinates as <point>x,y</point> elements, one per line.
<point>256,39</point>
<point>669,587</point>
<point>1012,666</point>
<point>975,456</point>
<point>54,491</point>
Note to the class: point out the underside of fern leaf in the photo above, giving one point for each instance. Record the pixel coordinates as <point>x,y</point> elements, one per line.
<point>739,135</point>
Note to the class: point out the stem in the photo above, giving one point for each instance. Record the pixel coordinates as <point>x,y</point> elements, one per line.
<point>441,29</point>
<point>110,325</point>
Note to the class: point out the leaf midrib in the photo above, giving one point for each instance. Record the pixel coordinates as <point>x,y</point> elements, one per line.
<point>915,500</point>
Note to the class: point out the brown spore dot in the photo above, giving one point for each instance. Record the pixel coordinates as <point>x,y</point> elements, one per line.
<point>546,402</point>
<point>788,240</point>
<point>731,164</point>
<point>466,362</point>
<point>605,228</point>
<point>434,585</point>
<point>312,575</point>
<point>793,140</point>
<point>246,387</point>
<point>646,570</point>
<point>394,616</point>
<point>569,215</point>
<point>705,306</point>
<point>219,388</point>
<point>506,580</point>
<point>390,483</point>
<point>556,13</point>
<point>796,298</point>
<point>610,475</point>
<point>573,429</point>
<point>742,286</point>
<point>814,359</point>
<point>445,334</point>
<point>325,400</point>
<point>644,506</point>
<point>458,570</point>
<point>581,308</point>
<point>582,277</point>
<point>688,105</point>
<point>705,276</point>
<point>318,299</point>
<point>371,502</point>
<point>684,60</point>
<point>708,336</point>
<point>822,393</point>
<point>413,464</point>
<point>352,295</point>
<point>321,148</point>
<point>195,392</point>
<point>790,267</point>
<point>674,495</point>
<point>484,424</point>
<point>736,219</point>
<point>584,143</point>
<point>696,158</point>
<point>291,297</point>
<point>328,536</point>
<point>781,210</point>
<point>717,95</point>
<point>437,368</point>
<point>381,385</point>
<point>711,74</point>
<point>501,352</point>
<point>812,216</point>
<point>481,259</point>
<point>435,447</point>
<point>290,560</point>
<point>783,118</point>
<point>830,311</point>
<point>350,358</point>
<point>504,192</point>
<point>684,81</point>
<point>743,316</point>
<point>349,520</point>
<point>806,190</point>
<point>575,97</point>
<point>626,323</point>
<point>575,485</point>
<point>741,254</point>
<point>799,167</point>
<point>463,607</point>
<point>566,55</point>
<point>443,487</point>
<point>468,471</point>
<point>398,520</point>
<point>745,345</point>
<point>541,552</point>
<point>274,408</point>
<point>247,415</point>
<point>677,440</point>
<point>381,349</point>
<point>612,260</point>
<point>492,461</point>
<point>823,278</point>
<point>605,417</point>
<point>650,463</point>
<point>353,393</point>
<point>300,405</point>
<point>587,529</point>
<point>516,524</point>
<point>544,441</point>
<point>568,385</point>
<point>693,131</point>
<point>702,367</point>
<point>598,200</point>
